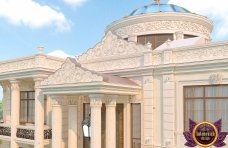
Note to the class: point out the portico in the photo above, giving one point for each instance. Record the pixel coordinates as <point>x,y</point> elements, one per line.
<point>72,85</point>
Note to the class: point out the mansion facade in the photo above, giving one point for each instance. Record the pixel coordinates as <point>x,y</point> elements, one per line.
<point>139,86</point>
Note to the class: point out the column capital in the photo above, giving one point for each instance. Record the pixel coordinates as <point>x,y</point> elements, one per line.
<point>5,84</point>
<point>73,100</point>
<point>14,84</point>
<point>56,100</point>
<point>37,81</point>
<point>96,100</point>
<point>135,99</point>
<point>110,100</point>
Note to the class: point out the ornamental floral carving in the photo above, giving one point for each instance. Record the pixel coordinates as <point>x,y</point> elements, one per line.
<point>163,25</point>
<point>115,64</point>
<point>208,53</point>
<point>17,65</point>
<point>111,46</point>
<point>71,72</point>
<point>215,78</point>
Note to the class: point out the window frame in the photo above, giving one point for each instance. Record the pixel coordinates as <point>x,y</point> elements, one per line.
<point>204,98</point>
<point>28,109</point>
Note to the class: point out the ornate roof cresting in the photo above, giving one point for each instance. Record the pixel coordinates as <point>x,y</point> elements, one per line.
<point>112,46</point>
<point>71,72</point>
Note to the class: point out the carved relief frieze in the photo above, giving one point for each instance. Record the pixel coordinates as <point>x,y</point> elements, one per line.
<point>209,53</point>
<point>70,73</point>
<point>115,64</point>
<point>111,46</point>
<point>163,25</point>
<point>17,65</point>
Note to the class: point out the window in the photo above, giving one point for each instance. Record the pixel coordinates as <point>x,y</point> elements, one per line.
<point>206,103</point>
<point>186,36</point>
<point>27,107</point>
<point>136,125</point>
<point>155,39</point>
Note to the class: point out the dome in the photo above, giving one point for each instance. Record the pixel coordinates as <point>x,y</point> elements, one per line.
<point>153,8</point>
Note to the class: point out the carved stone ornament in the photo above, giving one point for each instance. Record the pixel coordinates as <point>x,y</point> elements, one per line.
<point>215,78</point>
<point>73,100</point>
<point>71,72</point>
<point>96,100</point>
<point>135,99</point>
<point>163,25</point>
<point>205,53</point>
<point>14,85</point>
<point>110,100</point>
<point>5,85</point>
<point>111,46</point>
<point>57,100</point>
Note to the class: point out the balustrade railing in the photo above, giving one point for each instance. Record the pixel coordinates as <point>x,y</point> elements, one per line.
<point>5,130</point>
<point>29,133</point>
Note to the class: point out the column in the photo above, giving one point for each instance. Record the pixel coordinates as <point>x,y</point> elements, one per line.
<point>110,121</point>
<point>72,122</point>
<point>15,110</point>
<point>6,102</point>
<point>95,104</point>
<point>56,122</point>
<point>39,115</point>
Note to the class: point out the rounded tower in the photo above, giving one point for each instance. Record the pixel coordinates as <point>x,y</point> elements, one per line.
<point>156,23</point>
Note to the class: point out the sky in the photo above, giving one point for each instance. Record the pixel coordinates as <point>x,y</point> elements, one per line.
<point>70,27</point>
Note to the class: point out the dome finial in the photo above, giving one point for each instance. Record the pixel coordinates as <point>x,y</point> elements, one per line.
<point>158,3</point>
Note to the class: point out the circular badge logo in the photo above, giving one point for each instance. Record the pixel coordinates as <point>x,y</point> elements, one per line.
<point>205,134</point>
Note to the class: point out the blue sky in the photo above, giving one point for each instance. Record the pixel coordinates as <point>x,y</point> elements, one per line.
<point>73,26</point>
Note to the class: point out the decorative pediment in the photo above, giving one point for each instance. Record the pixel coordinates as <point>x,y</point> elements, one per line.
<point>71,72</point>
<point>112,46</point>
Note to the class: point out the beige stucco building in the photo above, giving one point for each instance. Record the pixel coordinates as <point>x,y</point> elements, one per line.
<point>152,71</point>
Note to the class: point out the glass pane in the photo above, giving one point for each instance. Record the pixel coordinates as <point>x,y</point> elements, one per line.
<point>216,91</point>
<point>217,109</point>
<point>23,95</point>
<point>193,110</point>
<point>193,92</point>
<point>136,125</point>
<point>23,111</point>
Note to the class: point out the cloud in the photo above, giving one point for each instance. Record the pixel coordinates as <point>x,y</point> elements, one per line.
<point>215,10</point>
<point>74,2</point>
<point>32,14</point>
<point>60,54</point>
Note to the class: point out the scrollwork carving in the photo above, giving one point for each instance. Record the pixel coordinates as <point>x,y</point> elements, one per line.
<point>208,53</point>
<point>163,25</point>
<point>71,72</point>
<point>111,46</point>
